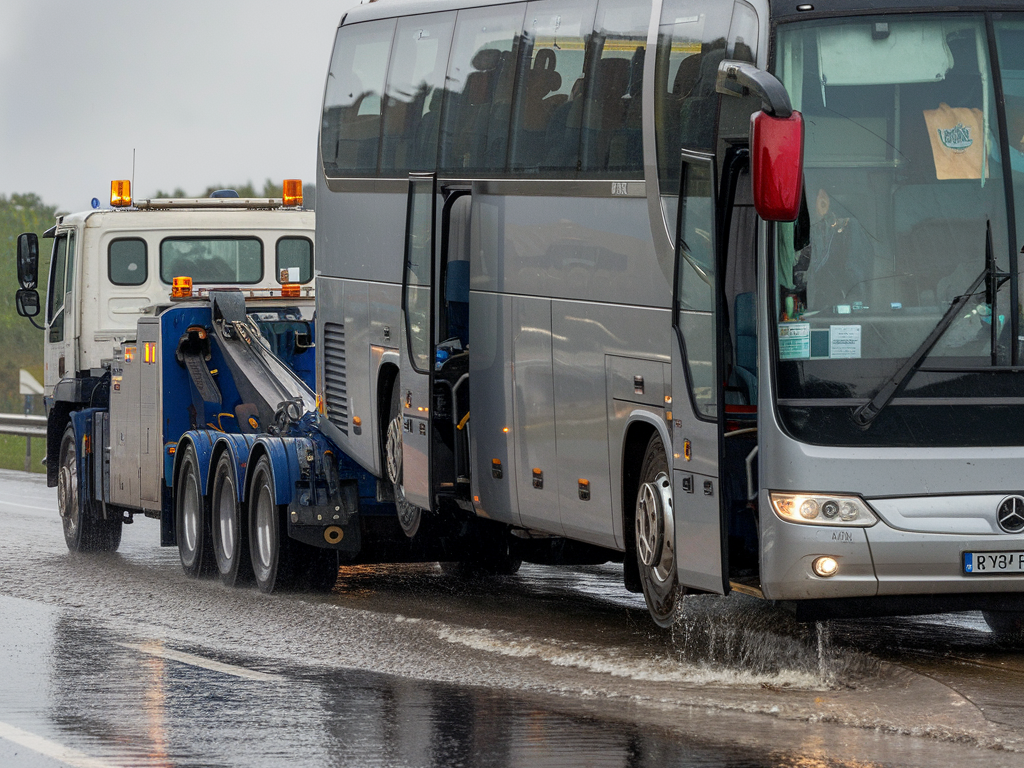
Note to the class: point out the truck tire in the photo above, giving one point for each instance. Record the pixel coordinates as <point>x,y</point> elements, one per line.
<point>84,531</point>
<point>270,549</point>
<point>655,536</point>
<point>229,529</point>
<point>192,519</point>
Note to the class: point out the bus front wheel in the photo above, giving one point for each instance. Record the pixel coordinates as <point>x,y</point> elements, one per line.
<point>654,523</point>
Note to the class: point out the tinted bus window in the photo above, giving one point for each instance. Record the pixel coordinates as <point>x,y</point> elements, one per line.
<point>412,107</point>
<point>126,262</point>
<point>478,97</point>
<point>693,38</point>
<point>295,253</point>
<point>212,260</point>
<point>551,87</point>
<point>611,137</point>
<point>350,133</point>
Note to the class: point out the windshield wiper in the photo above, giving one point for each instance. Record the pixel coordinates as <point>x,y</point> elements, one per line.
<point>868,412</point>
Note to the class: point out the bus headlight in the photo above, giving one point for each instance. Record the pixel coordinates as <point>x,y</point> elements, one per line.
<point>814,509</point>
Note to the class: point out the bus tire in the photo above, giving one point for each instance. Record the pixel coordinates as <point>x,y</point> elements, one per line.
<point>229,528</point>
<point>1007,626</point>
<point>409,515</point>
<point>192,519</point>
<point>655,536</point>
<point>83,530</point>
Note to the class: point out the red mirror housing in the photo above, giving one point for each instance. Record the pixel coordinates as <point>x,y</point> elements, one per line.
<point>777,165</point>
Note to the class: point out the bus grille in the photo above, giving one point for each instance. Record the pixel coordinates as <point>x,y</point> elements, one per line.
<point>336,375</point>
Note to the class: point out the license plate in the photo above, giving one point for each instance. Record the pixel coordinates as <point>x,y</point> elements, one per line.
<point>993,562</point>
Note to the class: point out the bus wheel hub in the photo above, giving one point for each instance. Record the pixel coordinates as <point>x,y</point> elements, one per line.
<point>653,517</point>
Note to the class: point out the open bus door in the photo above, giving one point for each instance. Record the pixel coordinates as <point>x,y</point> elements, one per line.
<point>696,362</point>
<point>417,352</point>
<point>434,369</point>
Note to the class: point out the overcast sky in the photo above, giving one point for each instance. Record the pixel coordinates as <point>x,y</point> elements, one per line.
<point>206,92</point>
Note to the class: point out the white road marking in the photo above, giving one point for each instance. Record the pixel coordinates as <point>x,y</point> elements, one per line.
<point>51,749</point>
<point>161,651</point>
<point>19,505</point>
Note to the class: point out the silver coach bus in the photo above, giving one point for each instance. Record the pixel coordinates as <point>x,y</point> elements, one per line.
<point>729,286</point>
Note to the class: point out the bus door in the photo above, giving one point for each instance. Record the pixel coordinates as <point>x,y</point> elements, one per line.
<point>417,341</point>
<point>434,348</point>
<point>696,383</point>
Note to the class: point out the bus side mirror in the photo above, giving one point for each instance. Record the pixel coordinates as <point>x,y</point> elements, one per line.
<point>776,165</point>
<point>28,263</point>
<point>776,139</point>
<point>26,301</point>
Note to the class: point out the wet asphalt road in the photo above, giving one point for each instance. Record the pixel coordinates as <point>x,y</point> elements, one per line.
<point>120,660</point>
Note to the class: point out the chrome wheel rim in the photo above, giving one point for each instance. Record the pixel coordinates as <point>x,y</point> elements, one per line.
<point>190,510</point>
<point>226,520</point>
<point>655,529</point>
<point>264,525</point>
<point>393,449</point>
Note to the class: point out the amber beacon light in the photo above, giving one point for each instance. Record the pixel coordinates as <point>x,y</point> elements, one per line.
<point>181,287</point>
<point>292,192</point>
<point>120,193</point>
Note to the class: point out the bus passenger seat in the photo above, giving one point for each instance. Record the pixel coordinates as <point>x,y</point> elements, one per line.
<point>456,295</point>
<point>745,317</point>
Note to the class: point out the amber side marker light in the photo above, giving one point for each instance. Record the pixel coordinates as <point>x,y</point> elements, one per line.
<point>181,287</point>
<point>292,192</point>
<point>120,193</point>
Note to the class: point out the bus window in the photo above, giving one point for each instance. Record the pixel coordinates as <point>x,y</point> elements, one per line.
<point>297,253</point>
<point>478,95</point>
<point>126,261</point>
<point>412,111</point>
<point>612,139</point>
<point>551,87</point>
<point>694,37</point>
<point>350,134</point>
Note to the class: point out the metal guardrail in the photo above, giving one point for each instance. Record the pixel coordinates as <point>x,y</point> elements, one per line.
<point>22,425</point>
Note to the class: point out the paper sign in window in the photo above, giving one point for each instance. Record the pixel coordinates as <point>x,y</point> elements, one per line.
<point>844,341</point>
<point>794,341</point>
<point>957,137</point>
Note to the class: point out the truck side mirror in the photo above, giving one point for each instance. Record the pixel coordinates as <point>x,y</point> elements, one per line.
<point>26,301</point>
<point>776,140</point>
<point>28,264</point>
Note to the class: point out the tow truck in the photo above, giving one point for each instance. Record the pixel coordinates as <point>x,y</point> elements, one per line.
<point>179,366</point>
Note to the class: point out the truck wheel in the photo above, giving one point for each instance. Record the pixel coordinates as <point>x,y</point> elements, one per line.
<point>409,515</point>
<point>228,529</point>
<point>270,548</point>
<point>192,519</point>
<point>82,532</point>
<point>1007,626</point>
<point>655,536</point>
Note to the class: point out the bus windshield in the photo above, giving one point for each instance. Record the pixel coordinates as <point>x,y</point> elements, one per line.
<point>910,160</point>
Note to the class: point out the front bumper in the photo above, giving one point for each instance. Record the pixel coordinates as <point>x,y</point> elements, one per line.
<point>901,556</point>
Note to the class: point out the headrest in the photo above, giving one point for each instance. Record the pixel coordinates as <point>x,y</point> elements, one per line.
<point>486,59</point>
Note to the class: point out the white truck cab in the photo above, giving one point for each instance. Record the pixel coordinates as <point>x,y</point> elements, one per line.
<point>111,267</point>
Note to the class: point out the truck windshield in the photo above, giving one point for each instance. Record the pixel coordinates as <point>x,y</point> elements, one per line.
<point>905,172</point>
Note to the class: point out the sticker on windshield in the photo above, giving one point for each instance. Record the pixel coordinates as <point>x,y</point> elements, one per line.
<point>844,341</point>
<point>794,341</point>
